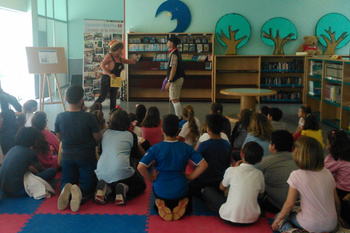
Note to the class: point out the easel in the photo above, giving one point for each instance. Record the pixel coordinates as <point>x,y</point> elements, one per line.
<point>45,61</point>
<point>45,79</point>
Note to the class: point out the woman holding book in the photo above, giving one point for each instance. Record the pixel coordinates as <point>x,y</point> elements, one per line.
<point>175,74</point>
<point>112,65</point>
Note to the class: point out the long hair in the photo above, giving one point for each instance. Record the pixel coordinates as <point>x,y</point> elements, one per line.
<point>152,118</point>
<point>338,145</point>
<point>260,127</point>
<point>188,112</point>
<point>311,122</point>
<point>245,116</point>
<point>31,137</point>
<point>99,118</point>
<point>140,113</point>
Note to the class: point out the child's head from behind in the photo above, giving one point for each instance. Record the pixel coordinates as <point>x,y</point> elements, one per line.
<point>245,116</point>
<point>187,111</point>
<point>30,106</point>
<point>311,122</point>
<point>214,123</point>
<point>31,137</point>
<point>188,114</point>
<point>338,145</point>
<point>39,120</point>
<point>140,113</point>
<point>170,125</point>
<point>308,154</point>
<point>260,127</point>
<point>152,117</point>
<point>304,111</point>
<point>74,94</point>
<point>96,106</point>
<point>274,114</point>
<point>119,120</point>
<point>217,108</point>
<point>99,118</point>
<point>252,152</point>
<point>264,110</point>
<point>281,140</point>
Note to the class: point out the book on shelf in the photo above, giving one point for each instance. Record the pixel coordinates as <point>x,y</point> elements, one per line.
<point>160,57</point>
<point>136,56</point>
<point>185,48</point>
<point>332,93</point>
<point>179,47</point>
<point>204,40</point>
<point>294,66</point>
<point>190,39</point>
<point>146,39</point>
<point>192,48</point>
<point>315,88</point>
<point>199,48</point>
<point>186,57</point>
<point>316,68</point>
<point>152,39</point>
<point>334,71</point>
<point>206,47</point>
<point>198,40</point>
<point>210,57</point>
<point>208,65</point>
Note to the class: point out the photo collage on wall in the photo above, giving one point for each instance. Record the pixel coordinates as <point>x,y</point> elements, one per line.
<point>97,35</point>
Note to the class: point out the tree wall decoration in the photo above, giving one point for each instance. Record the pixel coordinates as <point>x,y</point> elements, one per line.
<point>278,31</point>
<point>232,31</point>
<point>333,30</point>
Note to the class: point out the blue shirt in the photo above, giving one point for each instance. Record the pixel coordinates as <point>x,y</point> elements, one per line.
<point>217,153</point>
<point>171,159</point>
<point>14,166</point>
<point>263,143</point>
<point>77,130</point>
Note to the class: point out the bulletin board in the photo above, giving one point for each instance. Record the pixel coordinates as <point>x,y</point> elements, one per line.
<point>46,60</point>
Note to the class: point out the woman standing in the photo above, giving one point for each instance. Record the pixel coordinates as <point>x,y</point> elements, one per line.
<point>112,65</point>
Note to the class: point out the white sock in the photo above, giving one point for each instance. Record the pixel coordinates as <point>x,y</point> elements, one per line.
<point>177,107</point>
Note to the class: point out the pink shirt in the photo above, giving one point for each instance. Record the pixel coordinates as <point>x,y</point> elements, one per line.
<point>152,135</point>
<point>340,171</point>
<point>316,191</point>
<point>49,159</point>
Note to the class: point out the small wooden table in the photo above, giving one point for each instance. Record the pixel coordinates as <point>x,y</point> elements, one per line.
<point>248,95</point>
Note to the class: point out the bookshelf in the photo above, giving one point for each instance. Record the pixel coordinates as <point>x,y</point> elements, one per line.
<point>232,71</point>
<point>332,104</point>
<point>285,74</point>
<point>146,76</point>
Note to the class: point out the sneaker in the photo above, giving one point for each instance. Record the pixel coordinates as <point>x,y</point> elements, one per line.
<point>100,195</point>
<point>180,209</point>
<point>76,198</point>
<point>163,211</point>
<point>63,199</point>
<point>120,194</point>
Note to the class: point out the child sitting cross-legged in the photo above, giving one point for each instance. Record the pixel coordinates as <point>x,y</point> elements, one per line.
<point>245,183</point>
<point>170,158</point>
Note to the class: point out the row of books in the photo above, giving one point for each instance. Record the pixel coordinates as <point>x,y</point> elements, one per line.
<point>282,81</point>
<point>194,47</point>
<point>185,57</point>
<point>148,39</point>
<point>195,39</point>
<point>315,88</point>
<point>334,71</point>
<point>284,96</point>
<point>316,68</point>
<point>332,93</point>
<point>148,47</point>
<point>294,66</point>
<point>164,65</point>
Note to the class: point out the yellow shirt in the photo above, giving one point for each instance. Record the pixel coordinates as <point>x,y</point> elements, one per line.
<point>316,134</point>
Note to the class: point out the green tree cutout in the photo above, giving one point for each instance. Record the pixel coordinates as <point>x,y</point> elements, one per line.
<point>233,31</point>
<point>328,29</point>
<point>277,32</point>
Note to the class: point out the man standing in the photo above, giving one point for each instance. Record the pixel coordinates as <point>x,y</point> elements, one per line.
<point>175,74</point>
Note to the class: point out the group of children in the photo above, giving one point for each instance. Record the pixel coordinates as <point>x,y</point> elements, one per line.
<point>110,161</point>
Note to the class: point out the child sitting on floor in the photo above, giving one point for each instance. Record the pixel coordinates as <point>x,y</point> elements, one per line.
<point>338,163</point>
<point>170,158</point>
<point>274,116</point>
<point>216,152</point>
<point>315,185</point>
<point>217,108</point>
<point>245,183</point>
<point>312,129</point>
<point>152,126</point>
<point>21,159</point>
<point>28,109</point>
<point>190,130</point>
<point>79,133</point>
<point>302,113</point>
<point>114,171</point>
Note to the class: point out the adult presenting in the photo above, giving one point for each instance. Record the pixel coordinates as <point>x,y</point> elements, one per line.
<point>175,74</point>
<point>112,65</point>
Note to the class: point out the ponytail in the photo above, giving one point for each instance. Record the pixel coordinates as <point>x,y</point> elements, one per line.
<point>188,112</point>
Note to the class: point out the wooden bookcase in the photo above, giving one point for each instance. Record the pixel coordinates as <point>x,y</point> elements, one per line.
<point>285,74</point>
<point>146,76</point>
<point>331,109</point>
<point>234,72</point>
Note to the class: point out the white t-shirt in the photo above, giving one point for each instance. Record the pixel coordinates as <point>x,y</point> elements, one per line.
<point>29,117</point>
<point>206,136</point>
<point>185,132</point>
<point>246,182</point>
<point>316,191</point>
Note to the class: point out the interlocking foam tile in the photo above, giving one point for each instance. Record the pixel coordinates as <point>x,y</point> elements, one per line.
<point>18,205</point>
<point>85,223</point>
<point>203,224</point>
<point>10,223</point>
<point>138,206</point>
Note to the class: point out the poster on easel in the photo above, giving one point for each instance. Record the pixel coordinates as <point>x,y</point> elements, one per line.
<point>97,35</point>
